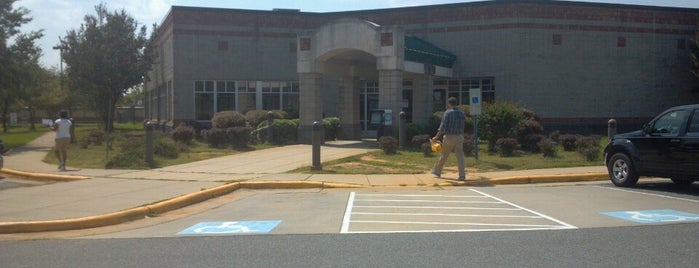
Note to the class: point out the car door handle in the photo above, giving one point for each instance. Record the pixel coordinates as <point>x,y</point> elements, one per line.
<point>675,141</point>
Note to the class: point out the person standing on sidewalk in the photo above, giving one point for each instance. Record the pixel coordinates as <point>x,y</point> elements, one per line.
<point>62,128</point>
<point>452,126</point>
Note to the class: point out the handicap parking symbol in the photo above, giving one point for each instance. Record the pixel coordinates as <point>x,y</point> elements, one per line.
<point>231,227</point>
<point>654,216</point>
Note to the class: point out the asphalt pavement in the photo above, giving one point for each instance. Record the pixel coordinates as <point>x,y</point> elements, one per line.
<point>87,198</point>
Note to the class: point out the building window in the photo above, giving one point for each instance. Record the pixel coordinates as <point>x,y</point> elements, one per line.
<point>241,96</point>
<point>223,45</point>
<point>305,44</point>
<point>247,92</point>
<point>271,96</point>
<point>203,100</point>
<point>386,39</point>
<point>460,89</point>
<point>557,40</point>
<point>225,96</point>
<point>621,42</point>
<point>290,98</point>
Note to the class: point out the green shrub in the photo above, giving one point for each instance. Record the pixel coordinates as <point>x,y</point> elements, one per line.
<point>126,159</point>
<point>228,119</point>
<point>331,125</point>
<point>184,134</point>
<point>555,136</point>
<point>589,147</point>
<point>499,120</point>
<point>418,140</point>
<point>165,149</point>
<point>414,130</point>
<point>215,137</point>
<point>96,137</point>
<point>529,134</point>
<point>530,143</point>
<point>568,142</point>
<point>548,147</point>
<point>388,144</point>
<point>255,117</point>
<point>285,131</point>
<point>239,137</point>
<point>468,145</point>
<point>426,149</point>
<point>506,146</point>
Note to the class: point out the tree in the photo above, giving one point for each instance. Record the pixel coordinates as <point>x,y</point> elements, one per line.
<point>106,57</point>
<point>17,59</point>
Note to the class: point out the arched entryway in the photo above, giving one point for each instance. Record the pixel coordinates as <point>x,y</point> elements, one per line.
<point>368,65</point>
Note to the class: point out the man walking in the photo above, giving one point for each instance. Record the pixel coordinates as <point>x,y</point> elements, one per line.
<point>62,128</point>
<point>452,126</point>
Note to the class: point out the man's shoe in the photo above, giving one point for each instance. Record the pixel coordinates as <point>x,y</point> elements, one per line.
<point>462,178</point>
<point>436,175</point>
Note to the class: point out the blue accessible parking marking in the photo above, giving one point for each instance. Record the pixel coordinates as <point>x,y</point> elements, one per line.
<point>654,216</point>
<point>231,227</point>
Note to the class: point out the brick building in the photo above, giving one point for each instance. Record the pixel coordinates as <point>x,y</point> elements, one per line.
<point>575,64</point>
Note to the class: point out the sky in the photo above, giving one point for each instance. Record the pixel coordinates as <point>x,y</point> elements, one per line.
<point>56,17</point>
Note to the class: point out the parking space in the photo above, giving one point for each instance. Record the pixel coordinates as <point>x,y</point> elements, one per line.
<point>458,211</point>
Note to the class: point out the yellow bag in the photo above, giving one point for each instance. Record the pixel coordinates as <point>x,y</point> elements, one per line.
<point>436,146</point>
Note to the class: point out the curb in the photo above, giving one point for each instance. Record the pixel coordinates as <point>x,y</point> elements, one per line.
<point>42,176</point>
<point>551,178</point>
<point>197,197</point>
<point>159,207</point>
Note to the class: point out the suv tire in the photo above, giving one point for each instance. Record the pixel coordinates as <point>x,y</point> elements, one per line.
<point>621,170</point>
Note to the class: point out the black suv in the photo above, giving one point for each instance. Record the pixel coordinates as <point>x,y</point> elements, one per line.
<point>666,147</point>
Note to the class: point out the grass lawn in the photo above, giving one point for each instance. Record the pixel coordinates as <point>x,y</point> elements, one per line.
<point>404,162</point>
<point>18,136</point>
<point>97,156</point>
<point>414,162</point>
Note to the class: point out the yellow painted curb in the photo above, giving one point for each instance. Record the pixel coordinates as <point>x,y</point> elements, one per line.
<point>43,176</point>
<point>551,178</point>
<point>192,198</point>
<point>73,224</point>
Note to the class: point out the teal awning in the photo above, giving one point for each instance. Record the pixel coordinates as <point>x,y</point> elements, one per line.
<point>421,51</point>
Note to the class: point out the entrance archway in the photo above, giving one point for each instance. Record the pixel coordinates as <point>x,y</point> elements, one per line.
<point>357,52</point>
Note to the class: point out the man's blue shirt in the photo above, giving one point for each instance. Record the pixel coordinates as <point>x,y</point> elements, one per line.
<point>453,122</point>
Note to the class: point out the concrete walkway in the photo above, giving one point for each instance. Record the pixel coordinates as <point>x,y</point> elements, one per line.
<point>99,197</point>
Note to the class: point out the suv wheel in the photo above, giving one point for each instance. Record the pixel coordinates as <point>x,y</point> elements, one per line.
<point>621,170</point>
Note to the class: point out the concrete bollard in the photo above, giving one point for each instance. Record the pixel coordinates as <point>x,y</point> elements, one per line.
<point>270,121</point>
<point>402,129</point>
<point>611,128</point>
<point>316,146</point>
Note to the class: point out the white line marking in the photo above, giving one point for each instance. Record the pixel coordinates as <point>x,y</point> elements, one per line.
<point>459,223</point>
<point>348,213</point>
<point>529,210</point>
<point>429,207</point>
<point>656,195</point>
<point>458,230</point>
<point>425,201</point>
<point>446,215</point>
<point>425,195</point>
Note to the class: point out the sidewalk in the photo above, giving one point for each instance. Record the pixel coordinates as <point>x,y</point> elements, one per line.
<point>97,197</point>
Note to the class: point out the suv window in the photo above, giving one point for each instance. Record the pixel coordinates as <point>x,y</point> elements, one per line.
<point>670,123</point>
<point>694,125</point>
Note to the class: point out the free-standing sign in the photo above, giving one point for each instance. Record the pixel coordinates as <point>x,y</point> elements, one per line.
<point>475,101</point>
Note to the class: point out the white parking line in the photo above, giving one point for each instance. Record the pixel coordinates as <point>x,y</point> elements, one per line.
<point>569,226</point>
<point>656,195</point>
<point>382,215</point>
